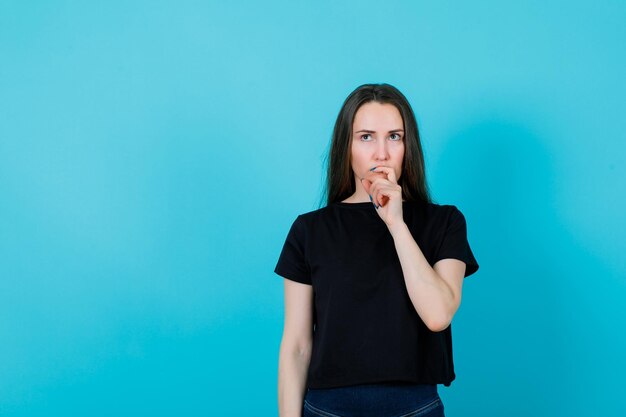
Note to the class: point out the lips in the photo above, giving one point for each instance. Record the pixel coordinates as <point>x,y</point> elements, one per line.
<point>376,166</point>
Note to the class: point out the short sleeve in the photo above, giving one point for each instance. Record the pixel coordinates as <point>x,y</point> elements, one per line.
<point>291,262</point>
<point>455,244</point>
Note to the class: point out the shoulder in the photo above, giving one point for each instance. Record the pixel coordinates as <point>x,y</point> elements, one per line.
<point>439,216</point>
<point>310,216</point>
<point>306,222</point>
<point>435,210</point>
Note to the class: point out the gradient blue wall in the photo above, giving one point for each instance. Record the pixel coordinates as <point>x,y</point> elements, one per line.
<point>153,155</point>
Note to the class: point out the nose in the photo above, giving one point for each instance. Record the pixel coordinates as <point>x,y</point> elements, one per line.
<point>381,152</point>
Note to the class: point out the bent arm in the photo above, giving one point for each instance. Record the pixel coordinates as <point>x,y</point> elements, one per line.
<point>435,300</point>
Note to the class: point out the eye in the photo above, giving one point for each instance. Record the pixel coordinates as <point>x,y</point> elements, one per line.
<point>395,134</point>
<point>362,136</point>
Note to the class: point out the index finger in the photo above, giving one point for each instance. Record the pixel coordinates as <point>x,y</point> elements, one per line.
<point>391,173</point>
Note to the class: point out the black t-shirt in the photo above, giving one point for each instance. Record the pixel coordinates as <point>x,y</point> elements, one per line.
<point>366,330</point>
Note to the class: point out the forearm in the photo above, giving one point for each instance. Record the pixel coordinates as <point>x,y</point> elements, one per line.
<point>292,375</point>
<point>431,296</point>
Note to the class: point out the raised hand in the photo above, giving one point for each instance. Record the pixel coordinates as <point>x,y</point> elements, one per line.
<point>385,192</point>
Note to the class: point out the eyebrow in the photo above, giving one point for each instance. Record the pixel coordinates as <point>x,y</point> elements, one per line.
<point>373,131</point>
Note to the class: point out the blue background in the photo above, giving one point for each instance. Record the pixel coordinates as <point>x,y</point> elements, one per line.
<point>153,155</point>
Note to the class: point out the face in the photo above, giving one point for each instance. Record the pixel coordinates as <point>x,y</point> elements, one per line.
<point>377,139</point>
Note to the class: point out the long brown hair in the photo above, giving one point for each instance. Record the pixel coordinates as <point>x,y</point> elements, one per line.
<point>340,177</point>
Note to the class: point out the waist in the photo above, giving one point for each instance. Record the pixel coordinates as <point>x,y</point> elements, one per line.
<point>369,399</point>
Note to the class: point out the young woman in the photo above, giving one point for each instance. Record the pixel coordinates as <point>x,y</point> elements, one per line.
<point>374,278</point>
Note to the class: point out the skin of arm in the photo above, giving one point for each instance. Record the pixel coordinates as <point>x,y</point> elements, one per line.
<point>296,348</point>
<point>434,291</point>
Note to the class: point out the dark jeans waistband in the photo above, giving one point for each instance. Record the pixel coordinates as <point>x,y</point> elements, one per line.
<point>381,398</point>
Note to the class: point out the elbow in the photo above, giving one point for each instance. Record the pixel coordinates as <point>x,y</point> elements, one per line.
<point>299,349</point>
<point>441,321</point>
<point>305,350</point>
<point>438,324</point>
